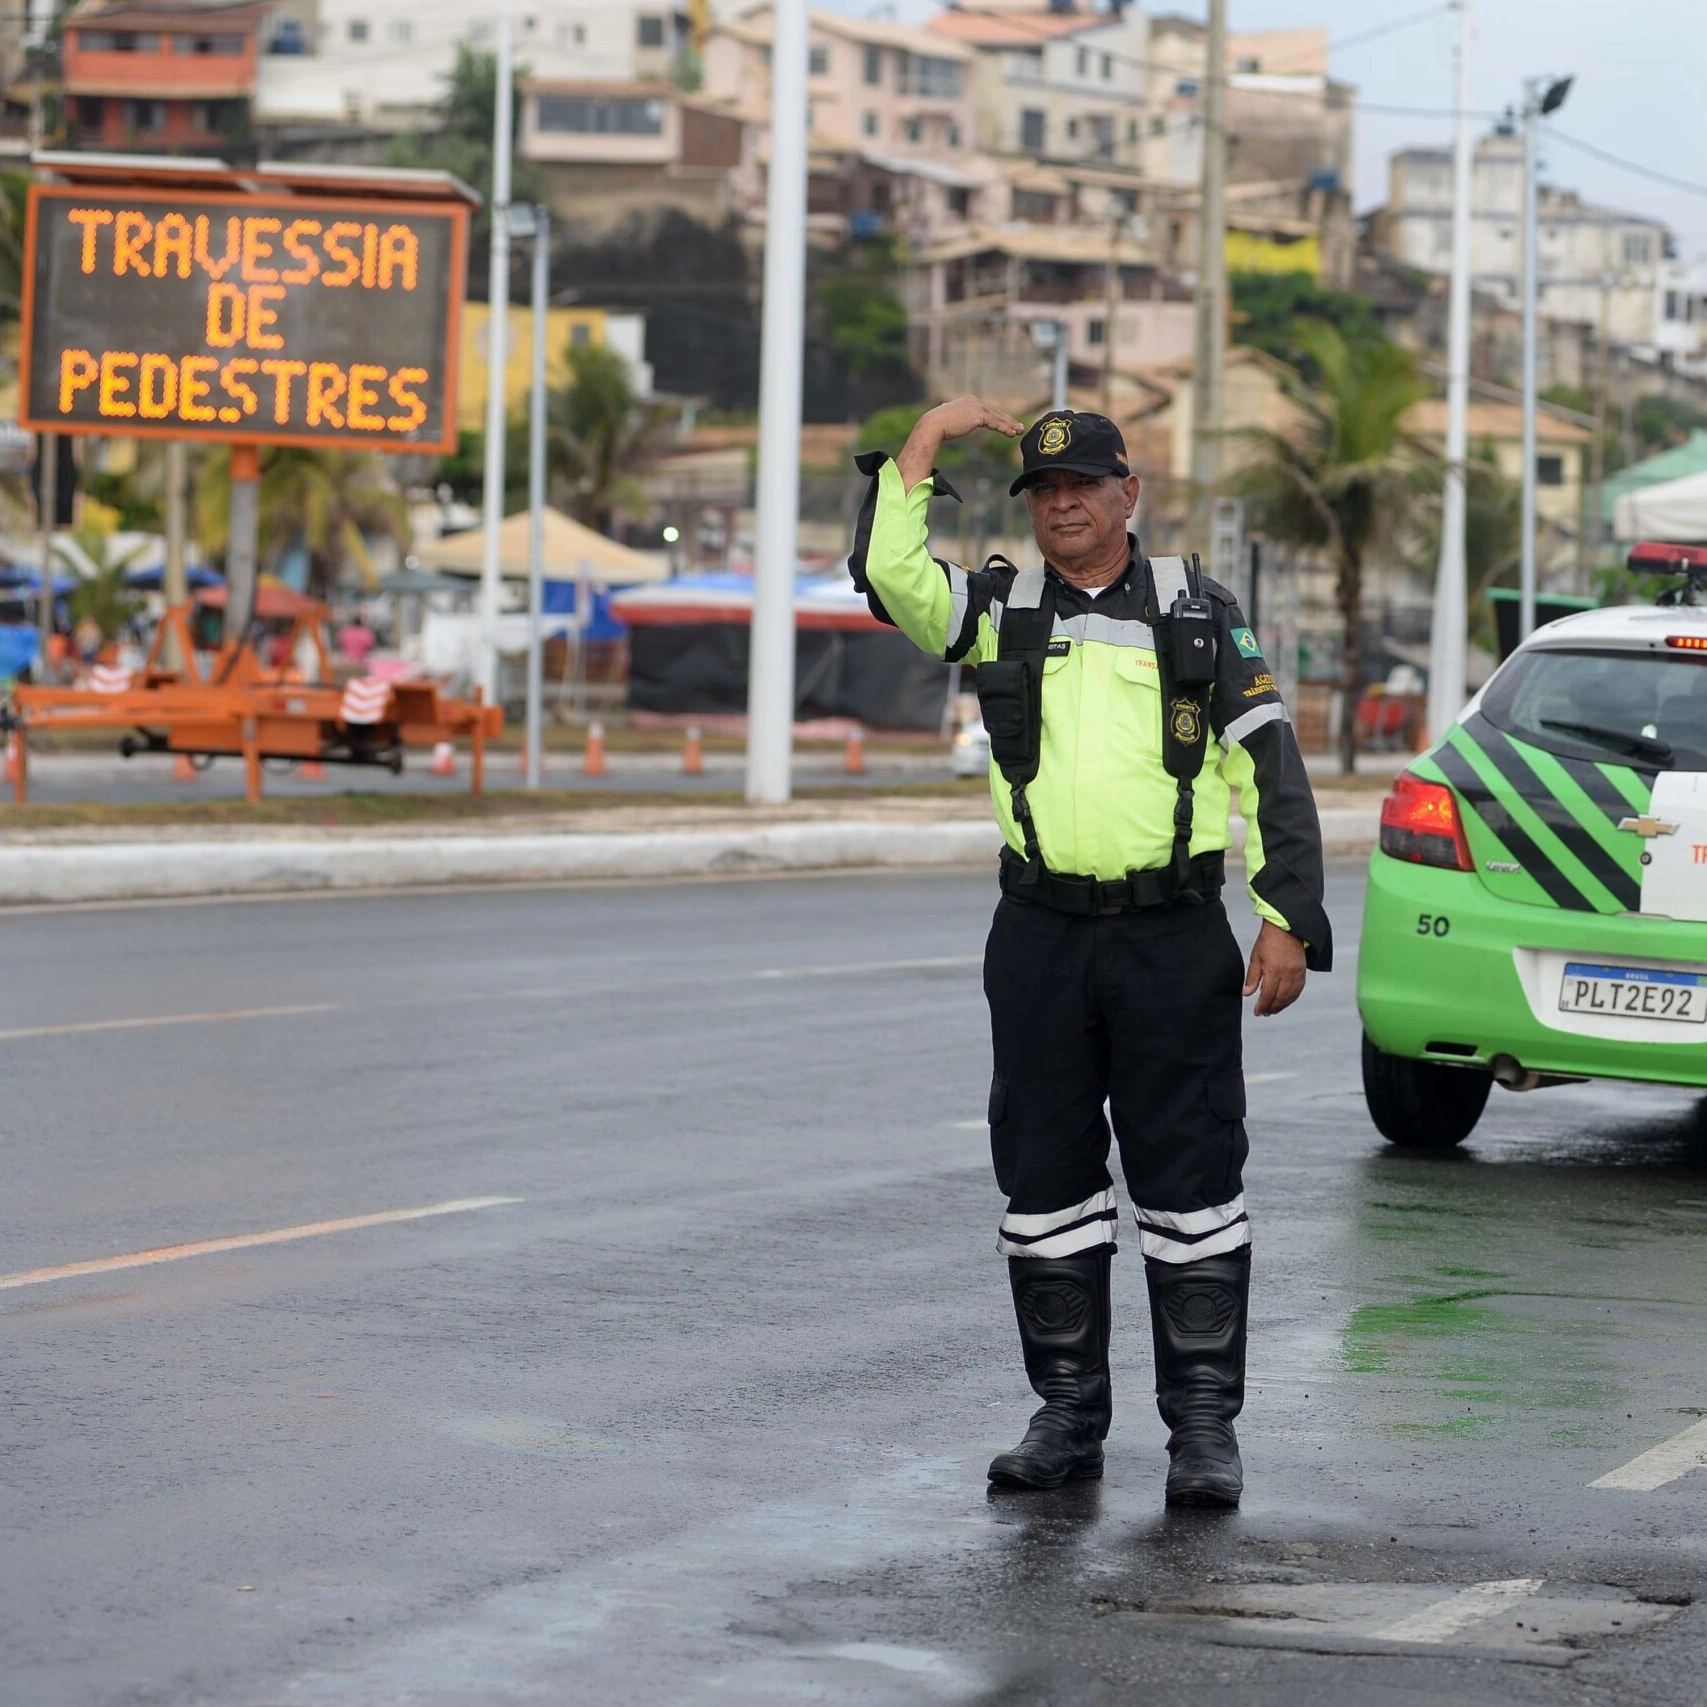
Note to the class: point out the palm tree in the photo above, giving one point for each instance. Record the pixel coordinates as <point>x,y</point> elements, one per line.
<point>327,501</point>
<point>1493,536</point>
<point>100,566</point>
<point>1339,481</point>
<point>601,436</point>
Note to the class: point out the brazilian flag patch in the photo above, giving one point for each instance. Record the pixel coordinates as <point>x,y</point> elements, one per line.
<point>1246,643</point>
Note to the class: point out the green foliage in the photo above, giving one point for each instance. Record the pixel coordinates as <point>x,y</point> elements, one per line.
<point>14,189</point>
<point>600,437</point>
<point>1493,535</point>
<point>1662,422</point>
<point>1269,308</point>
<point>100,594</point>
<point>137,506</point>
<point>325,500</point>
<point>1342,480</point>
<point>864,324</point>
<point>887,429</point>
<point>461,140</point>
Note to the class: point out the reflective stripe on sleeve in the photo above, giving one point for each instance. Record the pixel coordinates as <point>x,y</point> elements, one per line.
<point>1242,726</point>
<point>1184,1236</point>
<point>1061,1232</point>
<point>957,592</point>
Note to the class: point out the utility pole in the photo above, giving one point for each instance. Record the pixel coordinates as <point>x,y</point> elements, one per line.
<point>1593,528</point>
<point>770,680</point>
<point>1449,636</point>
<point>497,352</point>
<point>1207,359</point>
<point>1060,362</point>
<point>1536,106</point>
<point>535,221</point>
<point>1110,303</point>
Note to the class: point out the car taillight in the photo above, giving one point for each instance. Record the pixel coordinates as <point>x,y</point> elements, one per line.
<point>1420,823</point>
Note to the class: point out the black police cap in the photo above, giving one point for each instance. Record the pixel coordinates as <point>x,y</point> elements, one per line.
<point>1078,441</point>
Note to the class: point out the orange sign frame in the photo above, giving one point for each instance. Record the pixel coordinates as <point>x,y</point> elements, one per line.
<point>251,432</point>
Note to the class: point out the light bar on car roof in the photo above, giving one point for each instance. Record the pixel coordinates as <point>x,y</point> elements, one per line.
<point>1688,642</point>
<point>1655,554</point>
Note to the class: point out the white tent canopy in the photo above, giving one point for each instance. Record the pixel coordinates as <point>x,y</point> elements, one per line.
<point>1675,511</point>
<point>571,550</point>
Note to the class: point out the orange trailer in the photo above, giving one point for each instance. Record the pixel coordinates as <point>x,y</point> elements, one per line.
<point>238,707</point>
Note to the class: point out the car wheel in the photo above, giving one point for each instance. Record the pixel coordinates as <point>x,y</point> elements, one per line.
<point>1421,1104</point>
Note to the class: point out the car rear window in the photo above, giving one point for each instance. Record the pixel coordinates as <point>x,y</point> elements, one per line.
<point>1653,696</point>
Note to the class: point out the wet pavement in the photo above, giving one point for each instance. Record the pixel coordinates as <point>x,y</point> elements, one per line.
<point>680,1385</point>
<point>61,779</point>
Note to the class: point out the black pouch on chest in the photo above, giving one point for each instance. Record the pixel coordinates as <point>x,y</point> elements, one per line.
<point>1010,695</point>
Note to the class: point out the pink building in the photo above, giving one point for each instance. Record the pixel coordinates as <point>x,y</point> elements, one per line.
<point>874,86</point>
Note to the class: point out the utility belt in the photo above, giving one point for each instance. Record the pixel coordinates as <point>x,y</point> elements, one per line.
<point>1096,898</point>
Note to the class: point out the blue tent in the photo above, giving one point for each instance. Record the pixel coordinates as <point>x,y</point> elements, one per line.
<point>558,599</point>
<point>151,578</point>
<point>15,577</point>
<point>17,650</point>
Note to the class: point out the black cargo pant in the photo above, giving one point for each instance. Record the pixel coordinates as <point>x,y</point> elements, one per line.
<point>1139,1010</point>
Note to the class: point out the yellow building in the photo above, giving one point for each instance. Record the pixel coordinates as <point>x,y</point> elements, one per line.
<point>565,330</point>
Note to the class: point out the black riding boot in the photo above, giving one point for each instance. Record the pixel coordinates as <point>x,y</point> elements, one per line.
<point>1063,1309</point>
<point>1197,1313</point>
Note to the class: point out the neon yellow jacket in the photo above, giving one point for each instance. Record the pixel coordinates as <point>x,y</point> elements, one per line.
<point>1102,802</point>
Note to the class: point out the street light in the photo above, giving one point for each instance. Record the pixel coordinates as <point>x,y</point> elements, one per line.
<point>534,221</point>
<point>1541,96</point>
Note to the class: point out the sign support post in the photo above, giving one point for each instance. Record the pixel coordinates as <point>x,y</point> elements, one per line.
<point>48,514</point>
<point>242,546</point>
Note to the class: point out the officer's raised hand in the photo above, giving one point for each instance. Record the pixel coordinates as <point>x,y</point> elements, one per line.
<point>946,422</point>
<point>1276,974</point>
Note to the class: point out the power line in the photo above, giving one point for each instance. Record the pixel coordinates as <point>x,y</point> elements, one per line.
<point>1632,166</point>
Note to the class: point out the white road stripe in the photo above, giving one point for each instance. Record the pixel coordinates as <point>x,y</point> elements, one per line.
<point>1267,1078</point>
<point>1447,1618</point>
<point>244,1241</point>
<point>166,1019</point>
<point>871,966</point>
<point>1660,1464</point>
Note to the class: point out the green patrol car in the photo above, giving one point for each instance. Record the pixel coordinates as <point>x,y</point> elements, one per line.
<point>1537,906</point>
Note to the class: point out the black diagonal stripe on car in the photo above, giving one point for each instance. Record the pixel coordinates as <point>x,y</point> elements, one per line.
<point>1599,787</point>
<point>1480,798</point>
<point>1554,813</point>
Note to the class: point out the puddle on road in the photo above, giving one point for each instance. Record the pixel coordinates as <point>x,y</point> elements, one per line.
<point>1518,1620</point>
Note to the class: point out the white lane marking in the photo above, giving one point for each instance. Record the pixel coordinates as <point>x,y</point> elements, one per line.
<point>871,966</point>
<point>24,1031</point>
<point>1446,1618</point>
<point>244,1241</point>
<point>1267,1078</point>
<point>1660,1464</point>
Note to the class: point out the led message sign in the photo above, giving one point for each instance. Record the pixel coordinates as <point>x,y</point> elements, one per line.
<point>274,319</point>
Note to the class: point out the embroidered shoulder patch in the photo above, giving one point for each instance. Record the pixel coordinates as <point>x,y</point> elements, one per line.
<point>1246,643</point>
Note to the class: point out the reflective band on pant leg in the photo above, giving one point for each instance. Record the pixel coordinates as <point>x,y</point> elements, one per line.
<point>1184,1236</point>
<point>1062,1232</point>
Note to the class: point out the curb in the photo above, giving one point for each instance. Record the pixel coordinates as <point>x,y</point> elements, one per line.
<point>136,871</point>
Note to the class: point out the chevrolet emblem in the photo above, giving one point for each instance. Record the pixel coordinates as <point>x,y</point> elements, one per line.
<point>1646,827</point>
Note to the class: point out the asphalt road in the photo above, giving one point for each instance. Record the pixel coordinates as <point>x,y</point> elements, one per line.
<point>59,779</point>
<point>699,1412</point>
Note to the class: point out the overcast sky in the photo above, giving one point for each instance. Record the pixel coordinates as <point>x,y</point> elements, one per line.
<point>1640,67</point>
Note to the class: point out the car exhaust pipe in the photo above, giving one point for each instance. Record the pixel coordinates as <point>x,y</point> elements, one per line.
<point>1511,1073</point>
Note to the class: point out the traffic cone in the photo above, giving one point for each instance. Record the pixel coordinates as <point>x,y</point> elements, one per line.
<point>12,758</point>
<point>183,768</point>
<point>444,760</point>
<point>853,755</point>
<point>693,753</point>
<point>593,762</point>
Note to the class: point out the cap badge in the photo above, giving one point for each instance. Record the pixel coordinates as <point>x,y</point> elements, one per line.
<point>1054,438</point>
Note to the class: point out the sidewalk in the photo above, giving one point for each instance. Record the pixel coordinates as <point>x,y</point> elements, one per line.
<point>687,841</point>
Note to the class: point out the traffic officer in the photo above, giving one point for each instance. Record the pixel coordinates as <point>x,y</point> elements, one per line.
<point>1126,702</point>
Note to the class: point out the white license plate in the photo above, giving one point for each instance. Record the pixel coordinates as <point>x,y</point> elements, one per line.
<point>1634,992</point>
